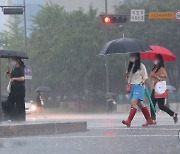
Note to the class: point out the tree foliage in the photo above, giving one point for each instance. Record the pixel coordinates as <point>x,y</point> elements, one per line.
<point>63,47</point>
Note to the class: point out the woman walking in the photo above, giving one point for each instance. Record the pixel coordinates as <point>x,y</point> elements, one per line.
<point>157,74</point>
<point>16,98</point>
<point>137,75</point>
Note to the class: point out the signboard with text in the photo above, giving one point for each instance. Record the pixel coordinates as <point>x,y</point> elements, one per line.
<point>161,15</point>
<point>137,15</point>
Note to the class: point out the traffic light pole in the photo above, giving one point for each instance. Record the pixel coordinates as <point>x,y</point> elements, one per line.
<point>106,10</point>
<point>1,111</point>
<point>106,57</point>
<point>25,26</point>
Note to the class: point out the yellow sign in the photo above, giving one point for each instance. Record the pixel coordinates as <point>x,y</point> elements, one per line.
<point>161,15</point>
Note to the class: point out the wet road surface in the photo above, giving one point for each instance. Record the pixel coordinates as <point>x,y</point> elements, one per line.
<point>105,135</point>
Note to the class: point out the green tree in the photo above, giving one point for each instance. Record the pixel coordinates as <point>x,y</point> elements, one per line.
<point>162,32</point>
<point>12,38</point>
<point>64,48</point>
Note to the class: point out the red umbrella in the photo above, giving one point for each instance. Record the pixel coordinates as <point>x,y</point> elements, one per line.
<point>167,54</point>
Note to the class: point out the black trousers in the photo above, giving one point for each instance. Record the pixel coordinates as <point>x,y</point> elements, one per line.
<point>161,104</point>
<point>15,109</point>
<point>110,107</point>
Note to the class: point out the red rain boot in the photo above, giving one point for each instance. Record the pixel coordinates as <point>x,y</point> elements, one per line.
<point>130,118</point>
<point>147,116</point>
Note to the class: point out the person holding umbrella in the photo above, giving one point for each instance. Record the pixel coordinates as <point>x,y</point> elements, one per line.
<point>158,74</point>
<point>39,102</point>
<point>111,102</point>
<point>137,75</point>
<point>16,99</point>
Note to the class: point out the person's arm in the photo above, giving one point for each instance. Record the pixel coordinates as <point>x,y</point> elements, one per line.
<point>18,79</point>
<point>153,75</point>
<point>20,74</point>
<point>162,72</point>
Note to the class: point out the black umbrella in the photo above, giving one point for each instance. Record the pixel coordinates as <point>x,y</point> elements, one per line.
<point>43,89</point>
<point>12,54</point>
<point>124,45</point>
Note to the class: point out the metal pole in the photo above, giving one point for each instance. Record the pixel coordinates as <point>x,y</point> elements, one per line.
<point>1,112</point>
<point>25,26</point>
<point>106,9</point>
<point>106,58</point>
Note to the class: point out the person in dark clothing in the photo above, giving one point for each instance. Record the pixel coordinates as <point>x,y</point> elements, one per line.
<point>110,104</point>
<point>40,104</point>
<point>16,99</point>
<point>39,100</point>
<point>157,74</point>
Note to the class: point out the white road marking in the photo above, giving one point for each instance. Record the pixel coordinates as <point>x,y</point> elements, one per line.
<point>90,136</point>
<point>132,128</point>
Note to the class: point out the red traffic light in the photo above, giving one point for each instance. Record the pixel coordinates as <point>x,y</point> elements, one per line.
<point>107,19</point>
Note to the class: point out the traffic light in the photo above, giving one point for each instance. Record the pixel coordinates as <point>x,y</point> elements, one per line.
<point>107,19</point>
<point>13,10</point>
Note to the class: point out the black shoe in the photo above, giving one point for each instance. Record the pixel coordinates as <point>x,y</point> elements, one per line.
<point>154,122</point>
<point>175,118</point>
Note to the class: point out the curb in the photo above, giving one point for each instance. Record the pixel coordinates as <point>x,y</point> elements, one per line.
<point>34,129</point>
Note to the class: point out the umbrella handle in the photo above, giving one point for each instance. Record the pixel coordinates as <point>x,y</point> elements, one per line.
<point>150,100</point>
<point>125,64</point>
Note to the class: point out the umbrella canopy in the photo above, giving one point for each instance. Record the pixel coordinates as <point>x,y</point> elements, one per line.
<point>170,88</point>
<point>12,54</point>
<point>167,54</point>
<point>124,45</point>
<point>43,89</point>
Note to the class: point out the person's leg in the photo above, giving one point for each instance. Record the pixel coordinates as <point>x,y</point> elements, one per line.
<point>154,101</point>
<point>132,113</point>
<point>163,107</point>
<point>21,115</point>
<point>146,113</point>
<point>108,107</point>
<point>7,106</point>
<point>10,107</point>
<point>20,103</point>
<point>161,104</point>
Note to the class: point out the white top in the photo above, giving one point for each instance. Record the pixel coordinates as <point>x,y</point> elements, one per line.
<point>137,77</point>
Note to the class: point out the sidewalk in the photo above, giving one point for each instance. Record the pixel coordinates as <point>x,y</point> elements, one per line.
<point>31,128</point>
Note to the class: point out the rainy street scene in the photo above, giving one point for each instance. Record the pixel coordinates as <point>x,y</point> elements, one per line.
<point>90,77</point>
